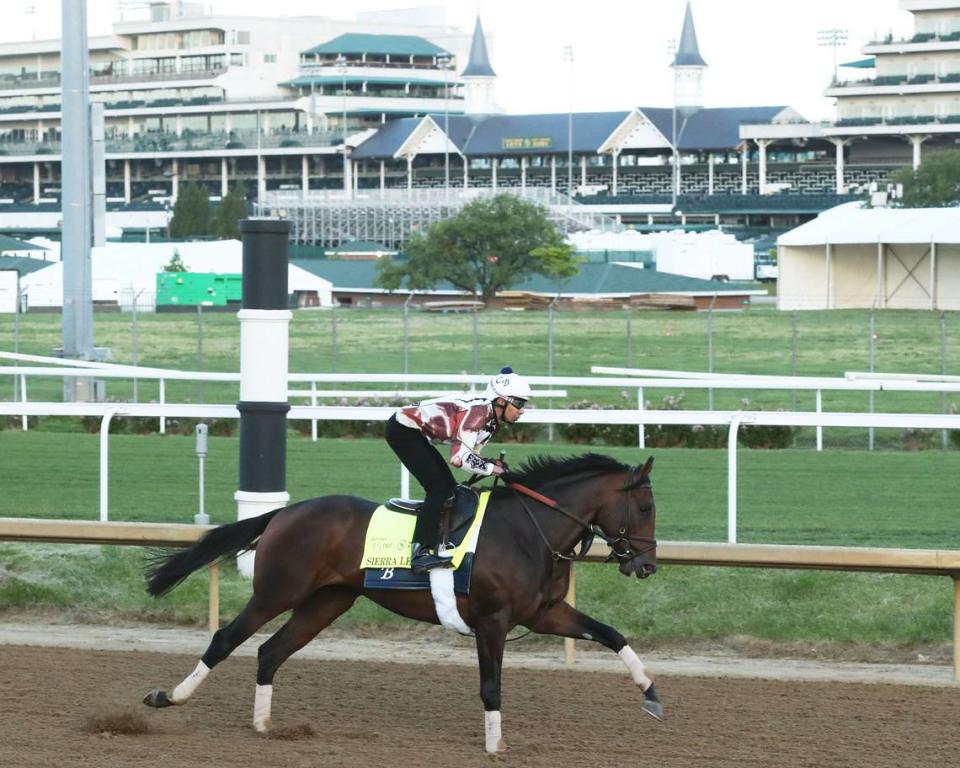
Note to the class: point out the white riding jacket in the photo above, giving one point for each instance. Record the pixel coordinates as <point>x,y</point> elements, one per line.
<point>465,423</point>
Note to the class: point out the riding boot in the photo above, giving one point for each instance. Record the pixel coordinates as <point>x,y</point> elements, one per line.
<point>424,559</point>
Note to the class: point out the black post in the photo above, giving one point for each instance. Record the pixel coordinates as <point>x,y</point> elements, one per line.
<point>263,405</point>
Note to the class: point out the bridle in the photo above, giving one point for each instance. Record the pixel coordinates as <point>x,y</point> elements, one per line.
<point>623,546</point>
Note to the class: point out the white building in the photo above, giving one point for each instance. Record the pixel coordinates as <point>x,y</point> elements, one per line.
<point>124,272</point>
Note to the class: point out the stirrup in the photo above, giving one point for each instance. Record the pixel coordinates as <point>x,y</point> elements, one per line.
<point>424,560</point>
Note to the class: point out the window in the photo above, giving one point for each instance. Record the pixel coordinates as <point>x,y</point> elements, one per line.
<point>236,59</point>
<point>269,58</point>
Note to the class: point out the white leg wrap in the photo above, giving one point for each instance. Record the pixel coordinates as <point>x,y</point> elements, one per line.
<point>185,690</point>
<point>493,736</point>
<point>445,601</point>
<point>637,670</point>
<point>261,708</point>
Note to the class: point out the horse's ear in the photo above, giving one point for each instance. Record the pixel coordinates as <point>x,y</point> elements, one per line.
<point>647,467</point>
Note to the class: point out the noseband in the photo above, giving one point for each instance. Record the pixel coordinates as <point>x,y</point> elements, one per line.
<point>623,546</point>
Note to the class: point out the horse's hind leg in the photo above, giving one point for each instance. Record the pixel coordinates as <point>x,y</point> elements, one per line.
<point>309,618</point>
<point>565,621</point>
<point>225,640</point>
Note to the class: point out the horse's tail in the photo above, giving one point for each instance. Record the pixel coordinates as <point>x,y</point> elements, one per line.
<point>165,571</point>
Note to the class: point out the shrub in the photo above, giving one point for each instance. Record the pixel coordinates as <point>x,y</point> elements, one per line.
<point>765,436</point>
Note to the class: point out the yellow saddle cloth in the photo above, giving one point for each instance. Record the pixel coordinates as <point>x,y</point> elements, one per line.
<point>389,537</point>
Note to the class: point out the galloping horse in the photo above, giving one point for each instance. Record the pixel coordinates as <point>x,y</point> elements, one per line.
<point>308,557</point>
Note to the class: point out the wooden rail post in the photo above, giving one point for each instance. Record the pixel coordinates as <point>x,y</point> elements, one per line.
<point>571,599</point>
<point>213,621</point>
<point>956,627</point>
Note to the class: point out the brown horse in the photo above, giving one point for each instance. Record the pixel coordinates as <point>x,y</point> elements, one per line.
<point>308,557</point>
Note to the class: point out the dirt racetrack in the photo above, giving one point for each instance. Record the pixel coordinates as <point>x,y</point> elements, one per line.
<point>367,714</point>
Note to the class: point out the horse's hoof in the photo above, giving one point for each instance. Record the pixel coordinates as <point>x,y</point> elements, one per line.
<point>157,699</point>
<point>654,709</point>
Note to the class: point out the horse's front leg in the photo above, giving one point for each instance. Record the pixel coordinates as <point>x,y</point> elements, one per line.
<point>491,634</point>
<point>565,621</point>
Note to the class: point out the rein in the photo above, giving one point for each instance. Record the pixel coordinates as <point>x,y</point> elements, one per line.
<point>623,537</point>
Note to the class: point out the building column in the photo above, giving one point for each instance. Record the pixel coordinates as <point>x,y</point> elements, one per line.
<point>583,171</point>
<point>261,179</point>
<point>493,173</point>
<point>304,173</point>
<point>762,145</point>
<point>178,125</point>
<point>553,173</point>
<point>264,343</point>
<point>131,127</point>
<point>409,173</point>
<point>744,152</point>
<point>615,156</point>
<point>523,173</point>
<point>224,178</point>
<point>917,141</point>
<point>383,177</point>
<point>127,195</point>
<point>711,161</point>
<point>466,173</point>
<point>840,144</point>
<point>36,183</point>
<point>175,179</point>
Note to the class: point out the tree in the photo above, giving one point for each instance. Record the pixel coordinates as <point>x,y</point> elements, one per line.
<point>232,208</point>
<point>191,212</point>
<point>489,246</point>
<point>935,184</point>
<point>176,263</point>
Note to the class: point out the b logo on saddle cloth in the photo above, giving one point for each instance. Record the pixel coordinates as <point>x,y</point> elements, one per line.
<point>387,547</point>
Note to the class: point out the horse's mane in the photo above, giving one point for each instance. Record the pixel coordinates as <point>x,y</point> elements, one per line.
<point>539,470</point>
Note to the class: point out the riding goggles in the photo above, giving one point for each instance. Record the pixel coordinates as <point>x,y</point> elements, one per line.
<point>517,402</point>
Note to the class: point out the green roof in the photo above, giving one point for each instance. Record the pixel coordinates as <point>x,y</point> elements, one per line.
<point>22,264</point>
<point>8,243</point>
<point>868,63</point>
<point>394,45</point>
<point>592,278</point>
<point>305,80</point>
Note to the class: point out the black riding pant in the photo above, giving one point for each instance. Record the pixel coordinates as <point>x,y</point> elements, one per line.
<point>427,465</point>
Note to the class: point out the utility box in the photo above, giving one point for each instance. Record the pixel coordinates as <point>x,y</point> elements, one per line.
<point>191,289</point>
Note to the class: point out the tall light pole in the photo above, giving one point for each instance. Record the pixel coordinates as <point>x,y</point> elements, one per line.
<point>444,60</point>
<point>832,38</point>
<point>568,57</point>
<point>674,180</point>
<point>341,63</point>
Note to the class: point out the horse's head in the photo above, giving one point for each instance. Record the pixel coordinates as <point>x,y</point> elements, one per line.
<point>628,518</point>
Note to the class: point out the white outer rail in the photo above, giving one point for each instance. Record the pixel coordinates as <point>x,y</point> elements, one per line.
<point>733,419</point>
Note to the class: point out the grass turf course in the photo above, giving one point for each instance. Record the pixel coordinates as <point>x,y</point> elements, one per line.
<point>849,497</point>
<point>797,496</point>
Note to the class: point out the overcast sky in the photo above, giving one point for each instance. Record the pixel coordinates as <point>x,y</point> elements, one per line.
<point>759,52</point>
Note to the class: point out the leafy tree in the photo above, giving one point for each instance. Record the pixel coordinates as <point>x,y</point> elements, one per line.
<point>935,184</point>
<point>489,246</point>
<point>232,208</point>
<point>176,263</point>
<point>191,212</point>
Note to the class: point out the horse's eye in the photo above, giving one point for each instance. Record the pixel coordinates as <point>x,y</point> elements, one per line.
<point>646,509</point>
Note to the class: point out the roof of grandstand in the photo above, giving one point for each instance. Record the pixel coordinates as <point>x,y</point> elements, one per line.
<point>394,45</point>
<point>487,135</point>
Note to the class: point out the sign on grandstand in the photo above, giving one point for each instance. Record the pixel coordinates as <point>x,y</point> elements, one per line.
<point>527,142</point>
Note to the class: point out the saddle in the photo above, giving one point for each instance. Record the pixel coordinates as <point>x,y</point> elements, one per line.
<point>455,516</point>
<point>387,547</point>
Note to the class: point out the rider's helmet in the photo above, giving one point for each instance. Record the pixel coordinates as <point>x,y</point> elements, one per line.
<point>510,386</point>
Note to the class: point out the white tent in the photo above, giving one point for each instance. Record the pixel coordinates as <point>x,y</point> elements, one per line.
<point>124,271</point>
<point>855,257</point>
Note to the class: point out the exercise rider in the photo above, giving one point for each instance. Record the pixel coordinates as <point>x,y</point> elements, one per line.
<point>466,424</point>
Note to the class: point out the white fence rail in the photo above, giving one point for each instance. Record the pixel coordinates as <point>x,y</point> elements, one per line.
<point>732,419</point>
